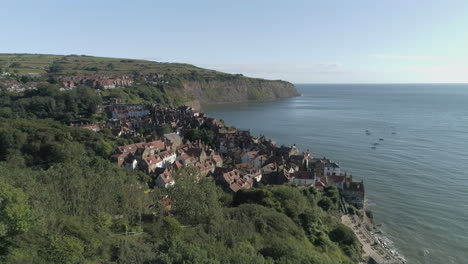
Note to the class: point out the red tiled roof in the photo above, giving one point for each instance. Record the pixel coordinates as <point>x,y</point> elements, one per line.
<point>151,160</point>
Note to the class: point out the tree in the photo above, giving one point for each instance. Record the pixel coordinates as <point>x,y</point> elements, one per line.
<point>205,135</point>
<point>326,203</point>
<point>171,230</point>
<point>15,214</point>
<point>55,67</point>
<point>164,129</point>
<point>15,65</point>
<point>65,249</point>
<point>196,201</point>
<point>345,237</point>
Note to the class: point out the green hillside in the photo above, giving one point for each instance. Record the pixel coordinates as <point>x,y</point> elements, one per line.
<point>82,64</point>
<point>183,81</point>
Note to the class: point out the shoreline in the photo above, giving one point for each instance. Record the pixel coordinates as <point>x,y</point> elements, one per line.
<point>376,247</point>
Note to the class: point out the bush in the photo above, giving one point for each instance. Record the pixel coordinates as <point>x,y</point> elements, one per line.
<point>325,203</point>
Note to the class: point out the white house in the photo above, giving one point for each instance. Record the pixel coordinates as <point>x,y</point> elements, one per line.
<point>332,168</point>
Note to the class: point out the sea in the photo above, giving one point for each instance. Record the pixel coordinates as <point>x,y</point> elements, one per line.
<point>416,178</point>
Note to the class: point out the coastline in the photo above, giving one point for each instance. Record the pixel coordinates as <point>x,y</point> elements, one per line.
<point>376,248</point>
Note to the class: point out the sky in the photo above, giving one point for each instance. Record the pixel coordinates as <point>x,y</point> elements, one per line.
<point>329,41</point>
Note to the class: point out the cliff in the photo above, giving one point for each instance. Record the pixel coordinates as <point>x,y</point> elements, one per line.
<point>239,90</point>
<point>184,82</point>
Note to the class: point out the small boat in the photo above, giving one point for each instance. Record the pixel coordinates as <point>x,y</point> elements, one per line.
<point>393,133</point>
<point>373,147</point>
<point>381,139</point>
<point>376,144</point>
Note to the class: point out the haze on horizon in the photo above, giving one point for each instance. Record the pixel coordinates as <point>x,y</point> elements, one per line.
<point>361,41</point>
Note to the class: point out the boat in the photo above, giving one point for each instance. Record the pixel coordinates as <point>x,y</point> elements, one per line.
<point>376,144</point>
<point>381,139</point>
<point>373,147</point>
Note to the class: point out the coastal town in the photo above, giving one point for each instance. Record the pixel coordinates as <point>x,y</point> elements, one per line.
<point>234,158</point>
<point>174,138</point>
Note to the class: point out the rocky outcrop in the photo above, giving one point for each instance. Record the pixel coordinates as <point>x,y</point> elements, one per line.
<point>239,90</point>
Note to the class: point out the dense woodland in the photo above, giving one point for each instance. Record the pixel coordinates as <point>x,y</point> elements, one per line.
<point>63,201</point>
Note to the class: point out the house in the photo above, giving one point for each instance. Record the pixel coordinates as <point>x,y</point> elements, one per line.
<point>146,149</point>
<point>353,192</point>
<point>186,159</point>
<point>168,158</point>
<point>254,159</point>
<point>336,180</point>
<point>249,156</point>
<point>241,183</point>
<point>302,160</point>
<point>164,179</point>
<point>131,163</point>
<point>224,176</point>
<point>119,158</point>
<point>332,168</point>
<point>151,163</point>
<point>131,148</point>
<point>157,145</point>
<point>253,174</point>
<point>198,153</point>
<point>304,178</point>
<point>319,185</point>
<point>205,168</point>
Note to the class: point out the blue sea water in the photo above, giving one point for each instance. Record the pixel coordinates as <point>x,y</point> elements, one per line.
<point>417,177</point>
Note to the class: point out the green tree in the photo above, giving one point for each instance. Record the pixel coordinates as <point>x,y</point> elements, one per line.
<point>196,200</point>
<point>164,129</point>
<point>325,203</point>
<point>65,250</point>
<point>15,65</point>
<point>15,213</point>
<point>55,67</point>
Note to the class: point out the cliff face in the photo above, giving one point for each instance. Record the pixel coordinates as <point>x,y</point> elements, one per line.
<point>239,90</point>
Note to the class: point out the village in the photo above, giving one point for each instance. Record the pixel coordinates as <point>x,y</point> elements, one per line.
<point>234,158</point>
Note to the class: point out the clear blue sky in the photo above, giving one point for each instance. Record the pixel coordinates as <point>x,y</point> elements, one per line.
<point>329,41</point>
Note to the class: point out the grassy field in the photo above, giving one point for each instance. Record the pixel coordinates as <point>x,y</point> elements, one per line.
<point>88,65</point>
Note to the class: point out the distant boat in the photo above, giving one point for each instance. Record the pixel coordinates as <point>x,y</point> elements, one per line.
<point>381,139</point>
<point>373,147</point>
<point>376,144</point>
<point>393,133</point>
